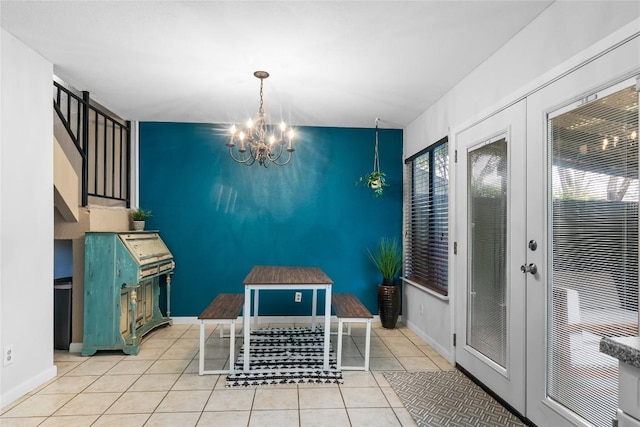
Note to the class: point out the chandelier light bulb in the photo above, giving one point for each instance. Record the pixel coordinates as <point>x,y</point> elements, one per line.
<point>272,139</point>
<point>233,130</point>
<point>249,123</point>
<point>241,136</point>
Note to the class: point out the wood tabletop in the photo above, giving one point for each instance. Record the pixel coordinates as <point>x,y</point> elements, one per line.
<point>277,275</point>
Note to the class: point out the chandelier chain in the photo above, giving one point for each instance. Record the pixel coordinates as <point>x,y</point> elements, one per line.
<point>261,109</point>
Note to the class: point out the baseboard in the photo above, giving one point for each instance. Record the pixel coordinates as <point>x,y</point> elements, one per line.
<point>433,344</point>
<point>75,347</point>
<point>185,320</point>
<point>27,386</point>
<point>192,320</point>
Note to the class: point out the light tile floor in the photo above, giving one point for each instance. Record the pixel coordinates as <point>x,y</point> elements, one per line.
<point>161,387</point>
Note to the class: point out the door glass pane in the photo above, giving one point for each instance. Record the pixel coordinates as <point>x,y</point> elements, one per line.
<point>487,219</point>
<point>593,283</point>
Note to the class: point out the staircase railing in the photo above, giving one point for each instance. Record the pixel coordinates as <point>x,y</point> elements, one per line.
<point>103,143</point>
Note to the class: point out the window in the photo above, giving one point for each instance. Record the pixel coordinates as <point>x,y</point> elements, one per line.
<point>426,217</point>
<point>593,226</point>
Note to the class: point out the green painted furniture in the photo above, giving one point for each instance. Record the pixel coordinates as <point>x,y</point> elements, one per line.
<point>122,288</point>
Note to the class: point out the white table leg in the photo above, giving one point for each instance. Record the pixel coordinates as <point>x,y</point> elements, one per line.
<point>201,358</point>
<point>246,325</point>
<point>232,346</point>
<point>256,300</point>
<point>339,353</point>
<point>314,309</point>
<point>327,325</point>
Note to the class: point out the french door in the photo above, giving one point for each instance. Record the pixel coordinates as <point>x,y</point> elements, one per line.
<point>582,193</point>
<point>546,225</point>
<point>490,287</point>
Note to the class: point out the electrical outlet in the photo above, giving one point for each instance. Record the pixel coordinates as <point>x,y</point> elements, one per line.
<point>8,355</point>
<point>298,296</point>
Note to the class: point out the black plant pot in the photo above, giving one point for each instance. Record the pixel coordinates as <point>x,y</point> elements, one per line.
<point>388,305</point>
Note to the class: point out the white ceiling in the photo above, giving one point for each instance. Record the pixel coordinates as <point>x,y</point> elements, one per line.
<point>332,63</point>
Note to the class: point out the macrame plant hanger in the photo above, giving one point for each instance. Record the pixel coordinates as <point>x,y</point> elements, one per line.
<point>376,159</point>
<point>375,180</point>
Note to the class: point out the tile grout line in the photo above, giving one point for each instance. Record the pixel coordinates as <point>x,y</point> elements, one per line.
<point>175,342</point>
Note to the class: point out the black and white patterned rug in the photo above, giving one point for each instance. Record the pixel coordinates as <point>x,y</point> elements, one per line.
<point>448,398</point>
<point>285,356</point>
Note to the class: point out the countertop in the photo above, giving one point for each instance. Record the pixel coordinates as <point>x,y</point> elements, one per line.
<point>625,349</point>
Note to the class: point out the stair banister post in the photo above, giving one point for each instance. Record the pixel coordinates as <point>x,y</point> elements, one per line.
<point>128,151</point>
<point>84,143</point>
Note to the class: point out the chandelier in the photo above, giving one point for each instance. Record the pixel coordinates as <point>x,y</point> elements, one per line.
<point>617,139</point>
<point>259,142</point>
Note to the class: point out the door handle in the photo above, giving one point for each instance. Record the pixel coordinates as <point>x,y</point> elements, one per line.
<point>531,268</point>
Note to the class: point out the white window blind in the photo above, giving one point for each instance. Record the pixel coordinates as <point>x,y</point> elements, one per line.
<point>488,178</point>
<point>426,217</point>
<point>593,223</point>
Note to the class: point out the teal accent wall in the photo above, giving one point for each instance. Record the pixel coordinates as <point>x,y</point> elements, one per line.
<point>219,218</point>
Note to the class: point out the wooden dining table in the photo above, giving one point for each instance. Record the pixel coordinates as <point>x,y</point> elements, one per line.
<point>262,278</point>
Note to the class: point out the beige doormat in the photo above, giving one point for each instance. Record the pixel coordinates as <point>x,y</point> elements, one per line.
<point>448,398</point>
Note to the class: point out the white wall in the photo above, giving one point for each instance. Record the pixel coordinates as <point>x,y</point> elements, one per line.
<point>550,45</point>
<point>429,317</point>
<point>26,219</point>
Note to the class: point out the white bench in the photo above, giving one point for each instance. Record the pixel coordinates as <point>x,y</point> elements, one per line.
<point>224,309</point>
<point>349,309</point>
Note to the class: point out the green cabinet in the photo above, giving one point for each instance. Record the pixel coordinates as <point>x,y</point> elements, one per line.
<point>122,289</point>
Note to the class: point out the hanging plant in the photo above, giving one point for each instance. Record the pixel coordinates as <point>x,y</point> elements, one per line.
<point>375,179</point>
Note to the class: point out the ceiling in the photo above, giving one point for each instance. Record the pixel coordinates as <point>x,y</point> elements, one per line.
<point>332,63</point>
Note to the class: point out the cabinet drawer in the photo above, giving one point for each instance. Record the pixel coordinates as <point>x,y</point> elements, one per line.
<point>625,420</point>
<point>629,390</point>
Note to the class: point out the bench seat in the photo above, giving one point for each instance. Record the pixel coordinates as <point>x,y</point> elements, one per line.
<point>224,309</point>
<point>349,309</point>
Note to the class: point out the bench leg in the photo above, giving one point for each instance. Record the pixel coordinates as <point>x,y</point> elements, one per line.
<point>339,353</point>
<point>367,345</point>
<point>201,358</point>
<point>232,345</point>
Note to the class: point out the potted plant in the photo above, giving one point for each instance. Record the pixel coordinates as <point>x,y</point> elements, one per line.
<point>388,260</point>
<point>138,217</point>
<point>374,180</point>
